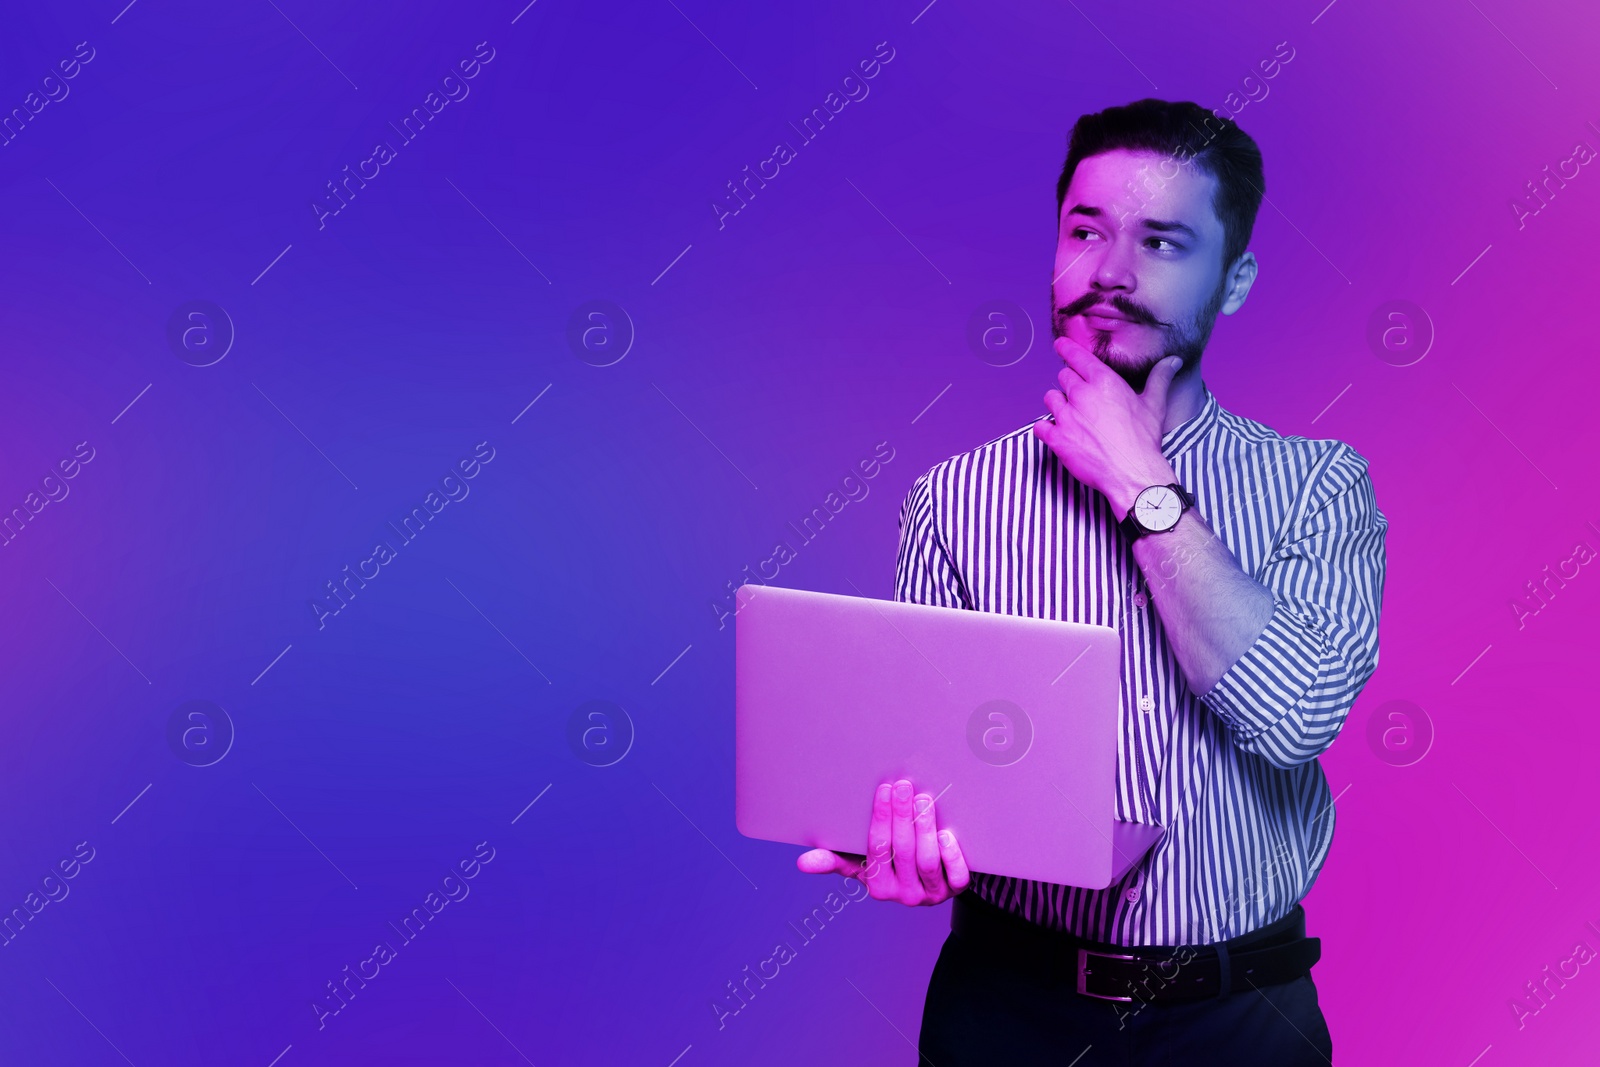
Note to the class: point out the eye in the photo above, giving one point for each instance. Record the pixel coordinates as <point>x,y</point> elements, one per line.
<point>1084,234</point>
<point>1156,242</point>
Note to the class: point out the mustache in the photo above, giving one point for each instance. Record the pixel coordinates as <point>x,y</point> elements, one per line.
<point>1135,312</point>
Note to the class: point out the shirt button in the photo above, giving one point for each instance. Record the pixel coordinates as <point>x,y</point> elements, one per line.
<point>1146,704</point>
<point>1138,600</point>
<point>1132,894</point>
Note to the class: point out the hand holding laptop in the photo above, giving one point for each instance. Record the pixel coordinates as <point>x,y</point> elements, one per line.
<point>912,861</point>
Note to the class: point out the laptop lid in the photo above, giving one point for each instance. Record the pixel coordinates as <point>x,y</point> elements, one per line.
<point>1009,722</point>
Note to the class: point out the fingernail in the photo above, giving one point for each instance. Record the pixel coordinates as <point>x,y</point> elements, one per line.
<point>945,838</point>
<point>902,789</point>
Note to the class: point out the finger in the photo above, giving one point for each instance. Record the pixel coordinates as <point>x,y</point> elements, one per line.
<point>1093,369</point>
<point>879,869</point>
<point>1160,380</point>
<point>1045,431</point>
<point>928,868</point>
<point>956,875</point>
<point>1081,362</point>
<point>822,861</point>
<point>1063,419</point>
<point>905,843</point>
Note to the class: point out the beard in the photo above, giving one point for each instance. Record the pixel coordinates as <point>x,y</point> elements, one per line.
<point>1183,338</point>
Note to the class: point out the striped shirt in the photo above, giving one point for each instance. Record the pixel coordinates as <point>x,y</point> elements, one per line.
<point>1232,774</point>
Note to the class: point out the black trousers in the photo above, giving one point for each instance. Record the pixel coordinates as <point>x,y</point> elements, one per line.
<point>986,1007</point>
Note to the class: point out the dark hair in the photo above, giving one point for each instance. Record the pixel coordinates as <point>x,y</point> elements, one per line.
<point>1186,133</point>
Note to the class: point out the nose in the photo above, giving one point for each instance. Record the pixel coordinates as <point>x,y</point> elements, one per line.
<point>1113,269</point>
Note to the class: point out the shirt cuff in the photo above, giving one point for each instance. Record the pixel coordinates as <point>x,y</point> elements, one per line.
<point>1268,682</point>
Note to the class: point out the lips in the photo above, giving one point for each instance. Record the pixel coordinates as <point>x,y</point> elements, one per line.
<point>1099,314</point>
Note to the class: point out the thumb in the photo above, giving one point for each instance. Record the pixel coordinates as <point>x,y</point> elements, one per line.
<point>1160,380</point>
<point>823,861</point>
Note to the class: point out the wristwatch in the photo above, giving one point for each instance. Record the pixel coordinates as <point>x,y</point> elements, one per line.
<point>1156,509</point>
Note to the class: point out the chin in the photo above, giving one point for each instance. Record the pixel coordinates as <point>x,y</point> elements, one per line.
<point>1133,369</point>
<point>1135,377</point>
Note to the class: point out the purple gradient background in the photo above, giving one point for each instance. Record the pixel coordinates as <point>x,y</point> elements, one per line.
<point>793,339</point>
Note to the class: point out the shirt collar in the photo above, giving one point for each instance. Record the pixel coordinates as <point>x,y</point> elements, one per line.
<point>1179,439</point>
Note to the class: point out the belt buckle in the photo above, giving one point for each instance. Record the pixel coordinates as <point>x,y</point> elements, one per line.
<point>1083,972</point>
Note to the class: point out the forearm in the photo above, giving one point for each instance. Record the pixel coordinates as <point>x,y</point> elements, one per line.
<point>1211,610</point>
<point>1279,660</point>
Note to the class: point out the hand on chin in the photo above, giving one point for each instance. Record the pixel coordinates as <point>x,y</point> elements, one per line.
<point>1134,371</point>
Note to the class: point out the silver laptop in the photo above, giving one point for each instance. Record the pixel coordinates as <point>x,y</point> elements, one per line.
<point>1009,722</point>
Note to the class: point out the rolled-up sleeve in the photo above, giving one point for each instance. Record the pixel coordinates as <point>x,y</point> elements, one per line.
<point>924,570</point>
<point>1286,698</point>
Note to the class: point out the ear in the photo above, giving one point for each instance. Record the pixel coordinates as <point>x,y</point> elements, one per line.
<point>1238,283</point>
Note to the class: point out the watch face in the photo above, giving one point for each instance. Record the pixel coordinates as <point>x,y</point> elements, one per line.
<point>1157,508</point>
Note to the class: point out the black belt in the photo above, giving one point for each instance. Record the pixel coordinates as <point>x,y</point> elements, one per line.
<point>1277,953</point>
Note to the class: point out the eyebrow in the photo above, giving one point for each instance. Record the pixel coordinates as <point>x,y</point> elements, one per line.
<point>1158,225</point>
<point>1164,226</point>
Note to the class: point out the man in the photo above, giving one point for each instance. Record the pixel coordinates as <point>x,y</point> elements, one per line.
<point>1244,571</point>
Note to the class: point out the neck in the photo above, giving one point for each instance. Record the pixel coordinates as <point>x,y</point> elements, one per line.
<point>1185,396</point>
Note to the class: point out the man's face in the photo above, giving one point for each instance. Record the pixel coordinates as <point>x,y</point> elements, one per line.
<point>1139,273</point>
